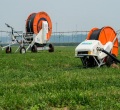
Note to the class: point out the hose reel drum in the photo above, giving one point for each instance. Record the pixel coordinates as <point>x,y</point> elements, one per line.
<point>104,35</point>
<point>34,25</point>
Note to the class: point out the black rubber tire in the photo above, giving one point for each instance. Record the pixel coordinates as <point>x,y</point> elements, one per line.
<point>34,48</point>
<point>8,50</point>
<point>22,50</point>
<point>51,48</point>
<point>110,61</point>
<point>88,62</point>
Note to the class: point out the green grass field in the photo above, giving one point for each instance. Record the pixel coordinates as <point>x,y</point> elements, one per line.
<point>56,81</point>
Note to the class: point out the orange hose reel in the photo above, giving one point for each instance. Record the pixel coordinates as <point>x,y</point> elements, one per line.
<point>34,23</point>
<point>104,35</point>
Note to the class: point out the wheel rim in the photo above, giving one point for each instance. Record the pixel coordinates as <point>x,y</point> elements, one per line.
<point>23,50</point>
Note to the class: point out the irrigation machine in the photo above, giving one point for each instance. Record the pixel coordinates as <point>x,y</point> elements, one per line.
<point>38,32</point>
<point>99,48</point>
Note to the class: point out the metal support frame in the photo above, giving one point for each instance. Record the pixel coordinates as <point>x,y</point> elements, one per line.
<point>14,38</point>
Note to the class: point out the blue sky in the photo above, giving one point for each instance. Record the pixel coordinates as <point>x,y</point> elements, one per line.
<point>68,14</point>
